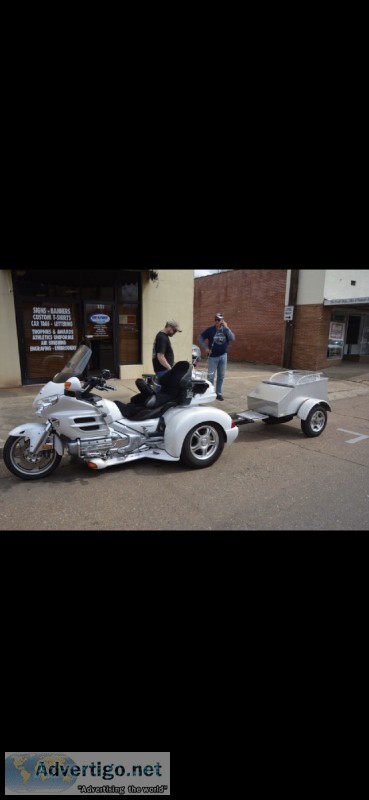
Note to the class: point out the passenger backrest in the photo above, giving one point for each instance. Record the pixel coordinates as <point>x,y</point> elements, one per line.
<point>178,376</point>
<point>177,383</point>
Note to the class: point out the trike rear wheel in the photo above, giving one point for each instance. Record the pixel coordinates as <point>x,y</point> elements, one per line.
<point>203,445</point>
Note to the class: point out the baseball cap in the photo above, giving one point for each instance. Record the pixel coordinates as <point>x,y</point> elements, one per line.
<point>219,315</point>
<point>175,325</point>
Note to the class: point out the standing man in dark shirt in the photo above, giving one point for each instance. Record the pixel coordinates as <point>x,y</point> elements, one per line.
<point>162,351</point>
<point>217,337</point>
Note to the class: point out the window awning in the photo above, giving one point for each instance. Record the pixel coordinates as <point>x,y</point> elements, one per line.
<point>346,301</point>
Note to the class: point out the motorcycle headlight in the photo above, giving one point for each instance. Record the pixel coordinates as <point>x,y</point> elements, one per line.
<point>47,401</point>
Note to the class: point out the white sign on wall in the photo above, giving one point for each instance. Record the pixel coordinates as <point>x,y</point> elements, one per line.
<point>346,301</point>
<point>288,313</point>
<point>337,331</point>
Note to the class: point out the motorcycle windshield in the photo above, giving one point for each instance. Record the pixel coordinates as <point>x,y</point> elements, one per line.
<point>75,366</point>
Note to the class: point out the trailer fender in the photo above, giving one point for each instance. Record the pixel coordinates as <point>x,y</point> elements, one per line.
<point>33,431</point>
<point>307,405</point>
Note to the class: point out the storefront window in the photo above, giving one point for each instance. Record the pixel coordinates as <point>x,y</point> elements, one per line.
<point>60,290</point>
<point>129,291</point>
<point>97,292</point>
<point>129,322</point>
<point>336,336</point>
<point>51,337</point>
<point>57,308</point>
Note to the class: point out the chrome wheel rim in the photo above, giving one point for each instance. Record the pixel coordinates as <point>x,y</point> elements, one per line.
<point>27,463</point>
<point>317,421</point>
<point>204,442</point>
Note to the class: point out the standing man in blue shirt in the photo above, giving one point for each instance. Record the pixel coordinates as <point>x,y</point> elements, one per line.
<point>217,337</point>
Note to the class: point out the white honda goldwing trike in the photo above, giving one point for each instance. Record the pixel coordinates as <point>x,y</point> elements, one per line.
<point>172,424</point>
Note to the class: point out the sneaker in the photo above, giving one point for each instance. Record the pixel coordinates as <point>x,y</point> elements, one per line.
<point>220,397</point>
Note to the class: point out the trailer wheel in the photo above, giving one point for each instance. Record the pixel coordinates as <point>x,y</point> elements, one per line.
<point>203,445</point>
<point>315,422</point>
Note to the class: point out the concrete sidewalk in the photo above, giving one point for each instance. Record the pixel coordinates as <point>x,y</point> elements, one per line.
<point>346,380</point>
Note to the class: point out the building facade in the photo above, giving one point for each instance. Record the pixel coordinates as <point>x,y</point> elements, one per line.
<point>46,314</point>
<point>332,318</point>
<point>321,314</point>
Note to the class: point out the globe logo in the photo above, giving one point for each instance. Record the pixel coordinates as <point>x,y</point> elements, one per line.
<point>99,318</point>
<point>36,773</point>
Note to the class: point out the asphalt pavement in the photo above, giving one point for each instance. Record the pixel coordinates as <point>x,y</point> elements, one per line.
<point>349,379</point>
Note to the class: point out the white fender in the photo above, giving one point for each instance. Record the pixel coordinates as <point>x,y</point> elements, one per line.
<point>33,431</point>
<point>306,407</point>
<point>178,424</point>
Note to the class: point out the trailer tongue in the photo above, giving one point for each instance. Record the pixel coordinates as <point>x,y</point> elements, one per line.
<point>243,417</point>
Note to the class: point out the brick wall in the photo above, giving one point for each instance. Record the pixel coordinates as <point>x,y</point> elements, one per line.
<point>310,337</point>
<point>252,301</point>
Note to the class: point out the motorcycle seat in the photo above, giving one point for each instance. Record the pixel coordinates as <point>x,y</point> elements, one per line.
<point>176,389</point>
<point>137,412</point>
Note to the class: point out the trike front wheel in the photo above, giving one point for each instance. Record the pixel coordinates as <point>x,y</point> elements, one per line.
<point>23,464</point>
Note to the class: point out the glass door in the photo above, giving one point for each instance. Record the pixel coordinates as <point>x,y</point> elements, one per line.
<point>352,344</point>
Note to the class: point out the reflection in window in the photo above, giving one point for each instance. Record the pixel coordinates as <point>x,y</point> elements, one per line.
<point>364,348</point>
<point>57,290</point>
<point>337,336</point>
<point>97,292</point>
<point>335,349</point>
<point>128,291</point>
<point>129,319</point>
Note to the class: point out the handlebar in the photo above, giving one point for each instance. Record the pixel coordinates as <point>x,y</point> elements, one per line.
<point>97,383</point>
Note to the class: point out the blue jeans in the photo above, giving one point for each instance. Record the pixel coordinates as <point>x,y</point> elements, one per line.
<point>159,375</point>
<point>217,364</point>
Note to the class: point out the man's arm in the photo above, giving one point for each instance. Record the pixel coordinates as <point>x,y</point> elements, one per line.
<point>230,334</point>
<point>163,361</point>
<point>202,339</point>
